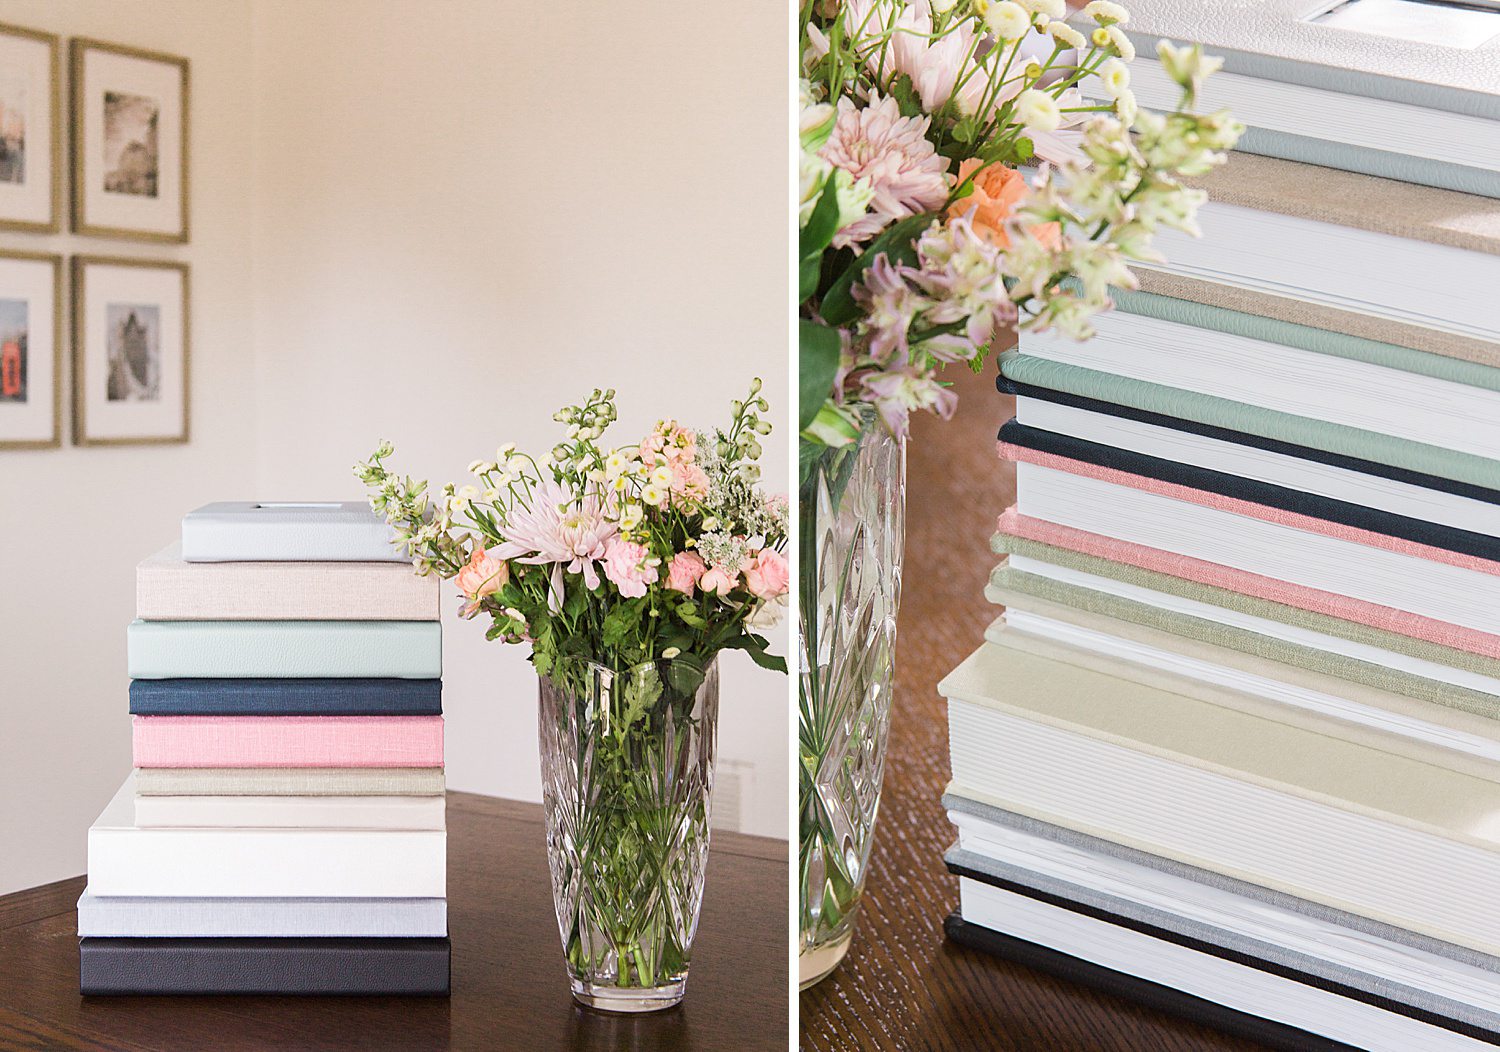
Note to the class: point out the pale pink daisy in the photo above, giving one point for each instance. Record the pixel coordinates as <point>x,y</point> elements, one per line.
<point>906,174</point>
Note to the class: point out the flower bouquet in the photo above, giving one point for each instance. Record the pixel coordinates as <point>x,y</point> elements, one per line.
<point>922,244</point>
<point>627,570</point>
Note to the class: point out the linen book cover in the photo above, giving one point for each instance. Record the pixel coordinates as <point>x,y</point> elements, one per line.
<point>1376,87</point>
<point>169,588</point>
<point>1391,838</point>
<point>349,966</point>
<point>332,696</point>
<point>156,917</point>
<point>287,531</point>
<point>289,781</point>
<point>127,860</point>
<point>284,649</point>
<point>287,741</point>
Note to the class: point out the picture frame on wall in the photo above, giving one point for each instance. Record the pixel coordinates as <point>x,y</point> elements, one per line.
<point>130,142</point>
<point>31,338</point>
<point>30,131</point>
<point>131,348</point>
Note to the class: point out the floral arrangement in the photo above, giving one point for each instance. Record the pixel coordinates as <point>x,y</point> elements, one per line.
<point>665,549</point>
<point>627,570</point>
<point>921,240</point>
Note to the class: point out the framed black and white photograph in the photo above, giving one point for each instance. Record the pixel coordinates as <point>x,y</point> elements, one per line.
<point>130,351</point>
<point>30,131</point>
<point>130,142</point>
<point>30,350</point>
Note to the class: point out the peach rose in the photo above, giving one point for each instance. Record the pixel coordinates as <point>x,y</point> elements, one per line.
<point>482,576</point>
<point>684,571</point>
<point>716,581</point>
<point>997,191</point>
<point>766,575</point>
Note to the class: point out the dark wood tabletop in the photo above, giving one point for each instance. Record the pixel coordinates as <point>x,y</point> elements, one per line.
<point>510,990</point>
<point>903,986</point>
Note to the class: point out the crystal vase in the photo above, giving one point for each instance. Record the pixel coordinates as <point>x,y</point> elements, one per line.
<point>853,514</point>
<point>627,786</point>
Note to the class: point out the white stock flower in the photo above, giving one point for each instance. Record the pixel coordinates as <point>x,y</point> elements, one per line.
<point>1037,110</point>
<point>1066,35</point>
<point>1115,76</point>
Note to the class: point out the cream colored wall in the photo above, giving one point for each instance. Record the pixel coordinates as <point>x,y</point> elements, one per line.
<point>428,222</point>
<point>474,211</point>
<point>74,522</point>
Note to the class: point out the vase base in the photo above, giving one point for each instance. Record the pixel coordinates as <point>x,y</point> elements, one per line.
<point>628,999</point>
<point>817,964</point>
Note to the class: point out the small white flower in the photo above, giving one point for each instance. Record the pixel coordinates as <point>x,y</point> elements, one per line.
<point>1113,38</point>
<point>942,7</point>
<point>1007,20</point>
<point>1050,8</point>
<point>671,652</point>
<point>1106,13</point>
<point>1037,110</point>
<point>654,495</point>
<point>1066,35</point>
<point>504,452</point>
<point>1125,107</point>
<point>1115,76</point>
<point>662,476</point>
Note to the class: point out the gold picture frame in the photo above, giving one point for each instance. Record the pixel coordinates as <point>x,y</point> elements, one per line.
<point>56,261</point>
<point>53,224</point>
<point>87,170</point>
<point>83,351</point>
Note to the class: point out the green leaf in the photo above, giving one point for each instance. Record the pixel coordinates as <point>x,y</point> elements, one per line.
<point>898,242</point>
<point>689,615</point>
<point>905,94</point>
<point>755,646</point>
<point>808,273</point>
<point>967,129</point>
<point>818,361</point>
<point>620,622</point>
<point>1024,151</point>
<point>685,674</point>
<point>822,224</point>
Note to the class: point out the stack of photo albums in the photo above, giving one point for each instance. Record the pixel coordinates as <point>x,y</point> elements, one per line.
<point>283,830</point>
<point>1233,747</point>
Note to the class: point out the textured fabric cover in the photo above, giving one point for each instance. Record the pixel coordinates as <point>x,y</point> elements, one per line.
<point>275,649</point>
<point>954,800</point>
<point>1320,316</point>
<point>1253,420</point>
<point>1273,39</point>
<point>1291,508</point>
<point>263,966</point>
<point>1384,164</point>
<point>1402,841</point>
<point>158,918</point>
<point>1361,984</point>
<point>1091,608</point>
<point>288,741</point>
<point>1428,736</point>
<point>237,531</point>
<point>1222,434</point>
<point>286,697</point>
<point>289,781</point>
<point>1340,606</point>
<point>1354,631</point>
<point>168,588</point>
<point>1308,338</point>
<point>1327,195</point>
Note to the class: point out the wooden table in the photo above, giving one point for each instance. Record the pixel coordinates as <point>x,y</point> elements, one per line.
<point>903,986</point>
<point>510,990</point>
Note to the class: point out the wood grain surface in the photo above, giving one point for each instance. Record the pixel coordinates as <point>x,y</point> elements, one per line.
<point>510,990</point>
<point>903,986</point>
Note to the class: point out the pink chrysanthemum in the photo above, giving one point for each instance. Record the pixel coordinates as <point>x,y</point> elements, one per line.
<point>558,530</point>
<point>906,173</point>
